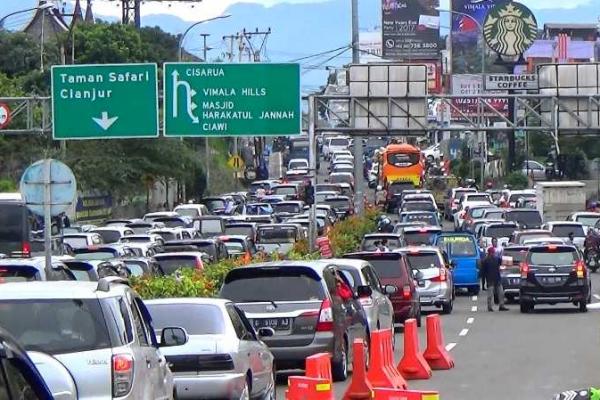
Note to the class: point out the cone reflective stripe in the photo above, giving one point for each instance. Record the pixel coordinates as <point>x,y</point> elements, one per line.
<point>319,366</point>
<point>413,365</point>
<point>382,371</point>
<point>360,388</point>
<point>305,388</point>
<point>436,354</point>
<point>399,394</point>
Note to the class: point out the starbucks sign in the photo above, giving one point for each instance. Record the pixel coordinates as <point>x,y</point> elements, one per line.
<point>510,28</point>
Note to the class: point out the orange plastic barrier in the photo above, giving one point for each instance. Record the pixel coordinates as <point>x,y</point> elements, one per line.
<point>395,394</point>
<point>436,354</point>
<point>382,371</point>
<point>324,246</point>
<point>319,366</point>
<point>413,365</point>
<point>305,388</point>
<point>360,388</point>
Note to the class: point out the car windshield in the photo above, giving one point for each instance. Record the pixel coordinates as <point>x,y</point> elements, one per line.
<point>109,236</point>
<point>419,238</point>
<point>196,319</point>
<point>76,241</point>
<point>94,255</point>
<point>498,231</point>
<point>338,204</point>
<point>276,235</point>
<point>273,284</point>
<point>287,208</point>
<point>458,245</point>
<point>387,268</point>
<point>283,190</point>
<point>543,256</point>
<point>211,226</point>
<point>215,204</point>
<point>588,221</point>
<point>239,230</point>
<point>565,230</point>
<point>56,326</point>
<point>528,218</point>
<point>533,235</point>
<point>170,264</point>
<point>423,260</point>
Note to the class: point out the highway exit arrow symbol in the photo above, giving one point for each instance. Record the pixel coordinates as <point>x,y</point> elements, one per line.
<point>105,122</point>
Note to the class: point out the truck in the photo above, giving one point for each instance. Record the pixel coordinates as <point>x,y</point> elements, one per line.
<point>557,200</point>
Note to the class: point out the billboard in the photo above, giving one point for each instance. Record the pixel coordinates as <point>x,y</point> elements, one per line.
<point>465,31</point>
<point>472,85</point>
<point>410,29</point>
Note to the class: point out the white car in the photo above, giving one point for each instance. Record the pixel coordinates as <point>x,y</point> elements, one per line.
<point>192,210</point>
<point>298,163</point>
<point>112,234</point>
<point>461,212</point>
<point>335,143</point>
<point>432,153</point>
<point>514,195</point>
<point>82,240</point>
<point>586,218</point>
<point>502,231</point>
<point>562,229</point>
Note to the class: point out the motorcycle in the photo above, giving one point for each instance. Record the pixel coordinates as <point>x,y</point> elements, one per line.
<point>592,259</point>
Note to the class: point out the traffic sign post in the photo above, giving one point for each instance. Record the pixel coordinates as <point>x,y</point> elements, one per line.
<point>104,101</point>
<point>236,163</point>
<point>5,115</point>
<point>231,99</point>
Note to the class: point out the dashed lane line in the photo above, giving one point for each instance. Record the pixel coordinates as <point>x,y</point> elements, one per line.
<point>474,309</point>
<point>474,298</point>
<point>470,320</point>
<point>450,346</point>
<point>597,297</point>
<point>463,332</point>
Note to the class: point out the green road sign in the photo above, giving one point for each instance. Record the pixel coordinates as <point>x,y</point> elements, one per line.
<point>231,99</point>
<point>104,101</point>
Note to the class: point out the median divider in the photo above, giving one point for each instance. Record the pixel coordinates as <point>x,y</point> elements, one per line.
<point>317,384</point>
<point>360,387</point>
<point>413,365</point>
<point>436,354</point>
<point>382,371</point>
<point>319,366</point>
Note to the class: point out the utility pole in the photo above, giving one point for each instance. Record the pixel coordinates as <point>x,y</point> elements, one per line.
<point>358,142</point>
<point>206,143</point>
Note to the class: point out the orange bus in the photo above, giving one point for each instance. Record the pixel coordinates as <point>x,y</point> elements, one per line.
<point>402,163</point>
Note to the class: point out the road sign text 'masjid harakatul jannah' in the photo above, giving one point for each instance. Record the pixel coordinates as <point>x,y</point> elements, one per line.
<point>231,99</point>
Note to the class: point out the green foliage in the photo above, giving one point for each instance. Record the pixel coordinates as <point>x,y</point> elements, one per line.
<point>346,235</point>
<point>516,180</point>
<point>186,283</point>
<point>7,186</point>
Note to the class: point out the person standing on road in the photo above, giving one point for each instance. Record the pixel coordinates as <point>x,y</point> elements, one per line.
<point>497,248</point>
<point>490,270</point>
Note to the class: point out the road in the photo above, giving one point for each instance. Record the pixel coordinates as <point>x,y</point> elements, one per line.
<point>510,355</point>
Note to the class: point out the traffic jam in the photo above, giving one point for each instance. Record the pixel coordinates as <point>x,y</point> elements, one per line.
<point>283,327</point>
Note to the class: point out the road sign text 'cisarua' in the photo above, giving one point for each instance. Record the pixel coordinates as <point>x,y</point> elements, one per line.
<point>231,99</point>
<point>104,101</point>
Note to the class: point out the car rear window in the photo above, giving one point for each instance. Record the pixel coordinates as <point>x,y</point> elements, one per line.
<point>529,218</point>
<point>136,267</point>
<point>276,235</point>
<point>109,236</point>
<point>272,284</point>
<point>369,244</point>
<point>518,255</point>
<point>286,208</point>
<point>211,226</point>
<point>546,256</point>
<point>477,212</point>
<point>565,230</point>
<point>338,204</point>
<point>515,197</point>
<point>477,197</point>
<point>341,178</point>
<point>188,212</point>
<point>419,238</point>
<point>284,190</point>
<point>56,326</point>
<point>258,209</point>
<point>328,188</point>
<point>17,273</point>
<point>216,204</point>
<point>94,255</point>
<point>167,236</point>
<point>418,206</point>
<point>234,246</point>
<point>75,242</point>
<point>196,319</point>
<point>497,231</point>
<point>387,268</point>
<point>533,235</point>
<point>339,142</point>
<point>494,214</point>
<point>239,230</point>
<point>422,260</point>
<point>458,245</point>
<point>297,164</point>
<point>170,264</point>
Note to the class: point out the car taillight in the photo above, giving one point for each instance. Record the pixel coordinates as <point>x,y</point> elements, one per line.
<point>122,374</point>
<point>442,277</point>
<point>524,270</point>
<point>325,322</point>
<point>199,264</point>
<point>406,293</point>
<point>579,269</point>
<point>26,248</point>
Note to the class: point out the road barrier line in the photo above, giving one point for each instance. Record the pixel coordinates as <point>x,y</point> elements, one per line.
<point>450,346</point>
<point>463,332</point>
<point>470,320</point>
<point>597,297</point>
<point>474,309</point>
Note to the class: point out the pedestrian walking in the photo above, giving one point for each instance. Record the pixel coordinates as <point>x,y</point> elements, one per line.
<point>490,270</point>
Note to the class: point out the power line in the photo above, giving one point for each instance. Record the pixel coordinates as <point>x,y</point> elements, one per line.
<point>346,47</point>
<point>326,60</point>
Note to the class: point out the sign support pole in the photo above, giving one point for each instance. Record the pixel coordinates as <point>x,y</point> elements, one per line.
<point>312,160</point>
<point>47,213</point>
<point>358,142</point>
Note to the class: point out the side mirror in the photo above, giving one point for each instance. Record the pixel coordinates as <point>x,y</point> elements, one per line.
<point>173,336</point>
<point>390,289</point>
<point>265,332</point>
<point>364,291</point>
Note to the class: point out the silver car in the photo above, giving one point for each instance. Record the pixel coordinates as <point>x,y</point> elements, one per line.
<point>371,294</point>
<point>431,269</point>
<point>90,340</point>
<point>224,357</point>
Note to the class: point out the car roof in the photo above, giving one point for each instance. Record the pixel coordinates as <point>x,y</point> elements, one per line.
<point>384,235</point>
<point>317,265</point>
<point>414,249</point>
<point>57,290</point>
<point>349,262</point>
<point>180,253</point>
<point>190,300</point>
<point>110,228</point>
<point>574,223</point>
<point>428,228</point>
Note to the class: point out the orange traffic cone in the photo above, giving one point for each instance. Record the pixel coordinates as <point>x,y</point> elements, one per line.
<point>413,365</point>
<point>436,354</point>
<point>360,388</point>
<point>305,388</point>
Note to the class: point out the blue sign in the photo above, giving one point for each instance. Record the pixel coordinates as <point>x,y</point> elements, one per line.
<point>63,187</point>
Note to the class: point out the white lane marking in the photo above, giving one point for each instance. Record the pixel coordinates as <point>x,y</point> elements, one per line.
<point>594,306</point>
<point>463,332</point>
<point>450,346</point>
<point>474,298</point>
<point>597,297</point>
<point>474,309</point>
<point>470,320</point>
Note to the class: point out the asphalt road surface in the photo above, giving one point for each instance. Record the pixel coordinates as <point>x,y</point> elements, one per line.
<point>508,355</point>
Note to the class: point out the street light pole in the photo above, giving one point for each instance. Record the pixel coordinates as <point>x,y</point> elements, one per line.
<point>41,6</point>
<point>182,38</point>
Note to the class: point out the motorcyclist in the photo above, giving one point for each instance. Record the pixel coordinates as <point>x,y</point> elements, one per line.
<point>591,243</point>
<point>385,224</point>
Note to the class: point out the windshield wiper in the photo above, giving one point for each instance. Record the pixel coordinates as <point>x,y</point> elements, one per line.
<point>259,301</point>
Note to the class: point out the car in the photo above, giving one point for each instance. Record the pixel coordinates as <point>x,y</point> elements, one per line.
<point>527,218</point>
<point>392,241</point>
<point>24,379</point>
<point>408,195</point>
<point>465,255</point>
<point>322,219</point>
<point>519,237</point>
<point>191,210</point>
<point>342,168</point>
<point>279,238</point>
<point>342,205</point>
<point>372,295</point>
<point>78,240</point>
<point>321,196</point>
<point>112,234</point>
<point>334,144</point>
<point>588,219</point>
<point>418,205</point>
<point>562,229</point>
<point>169,234</point>
<point>432,153</point>
<point>420,235</point>
<point>33,269</point>
<point>327,210</point>
<point>534,169</point>
<point>463,210</point>
<point>392,269</point>
<point>553,274</point>
<point>298,163</point>
<point>473,213</point>
<point>510,270</point>
<point>242,228</point>
<point>142,266</point>
<point>169,263</point>
<point>304,222</point>
<point>150,217</point>
<point>428,217</point>
<point>501,231</point>
<point>186,223</point>
<point>210,226</point>
<point>545,240</point>
<point>239,246</point>
<point>224,357</point>
<point>526,202</point>
<point>472,225</point>
<point>510,199</point>
<point>142,228</point>
<point>451,200</point>
<point>265,186</point>
<point>328,187</point>
<point>273,198</point>
<point>342,177</point>
<point>213,247</point>
<point>144,249</point>
<point>290,191</point>
<point>393,194</point>
<point>111,350</point>
<point>255,212</point>
<point>493,213</point>
<point>218,205</point>
<point>433,272</point>
<point>302,302</point>
<point>347,154</point>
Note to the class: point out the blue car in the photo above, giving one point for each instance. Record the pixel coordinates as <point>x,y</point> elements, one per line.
<point>465,257</point>
<point>16,366</point>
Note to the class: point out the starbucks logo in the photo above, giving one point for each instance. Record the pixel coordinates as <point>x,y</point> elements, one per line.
<point>510,29</point>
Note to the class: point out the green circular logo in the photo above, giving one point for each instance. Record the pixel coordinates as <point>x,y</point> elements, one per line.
<point>510,28</point>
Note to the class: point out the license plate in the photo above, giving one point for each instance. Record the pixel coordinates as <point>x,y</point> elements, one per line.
<point>280,324</point>
<point>552,280</point>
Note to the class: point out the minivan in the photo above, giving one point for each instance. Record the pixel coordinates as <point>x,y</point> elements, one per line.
<point>465,257</point>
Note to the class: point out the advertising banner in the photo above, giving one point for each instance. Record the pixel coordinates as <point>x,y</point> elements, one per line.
<point>410,29</point>
<point>470,85</point>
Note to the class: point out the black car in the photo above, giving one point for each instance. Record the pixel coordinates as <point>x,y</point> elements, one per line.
<point>241,228</point>
<point>527,218</point>
<point>554,274</point>
<point>510,270</point>
<point>214,247</point>
<point>342,205</point>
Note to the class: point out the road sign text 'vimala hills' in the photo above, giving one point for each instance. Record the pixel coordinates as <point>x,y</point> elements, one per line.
<point>104,101</point>
<point>231,99</point>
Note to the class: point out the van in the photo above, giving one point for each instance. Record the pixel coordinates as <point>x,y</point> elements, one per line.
<point>465,257</point>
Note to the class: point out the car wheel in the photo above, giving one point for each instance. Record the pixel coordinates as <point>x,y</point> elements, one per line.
<point>339,369</point>
<point>245,395</point>
<point>582,306</point>
<point>418,317</point>
<point>271,393</point>
<point>447,307</point>
<point>526,307</point>
<point>510,299</point>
